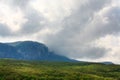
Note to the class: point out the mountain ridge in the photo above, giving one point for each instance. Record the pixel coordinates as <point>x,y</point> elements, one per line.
<point>29,50</point>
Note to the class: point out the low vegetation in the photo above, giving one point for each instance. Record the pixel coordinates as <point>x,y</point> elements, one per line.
<point>43,70</point>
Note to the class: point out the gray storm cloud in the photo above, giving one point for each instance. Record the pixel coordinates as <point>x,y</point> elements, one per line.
<point>68,27</point>
<point>4,30</point>
<point>78,32</point>
<point>33,24</point>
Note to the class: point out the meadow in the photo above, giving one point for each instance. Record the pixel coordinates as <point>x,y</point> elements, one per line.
<point>44,70</point>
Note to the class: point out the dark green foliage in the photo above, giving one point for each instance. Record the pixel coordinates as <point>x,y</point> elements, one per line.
<point>24,70</point>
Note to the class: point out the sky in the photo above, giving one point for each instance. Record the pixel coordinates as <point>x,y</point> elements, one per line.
<point>86,30</point>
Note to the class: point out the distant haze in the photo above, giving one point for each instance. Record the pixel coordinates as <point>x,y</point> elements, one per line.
<point>80,29</point>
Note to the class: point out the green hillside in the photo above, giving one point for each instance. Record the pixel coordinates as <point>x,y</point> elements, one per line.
<point>26,70</point>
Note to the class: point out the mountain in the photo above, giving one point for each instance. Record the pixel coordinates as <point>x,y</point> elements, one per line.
<point>29,50</point>
<point>107,63</point>
<point>7,51</point>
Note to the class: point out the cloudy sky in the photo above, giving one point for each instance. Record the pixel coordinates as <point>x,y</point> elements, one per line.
<point>87,30</point>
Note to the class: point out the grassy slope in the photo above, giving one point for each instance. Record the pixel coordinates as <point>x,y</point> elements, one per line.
<point>23,70</point>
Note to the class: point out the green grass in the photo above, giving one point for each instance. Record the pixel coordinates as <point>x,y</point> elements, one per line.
<point>43,70</point>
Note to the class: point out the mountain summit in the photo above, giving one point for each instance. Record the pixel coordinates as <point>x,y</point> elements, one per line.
<point>29,50</point>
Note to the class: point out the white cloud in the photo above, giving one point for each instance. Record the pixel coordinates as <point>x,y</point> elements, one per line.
<point>13,18</point>
<point>112,44</point>
<point>67,26</point>
<point>55,9</point>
